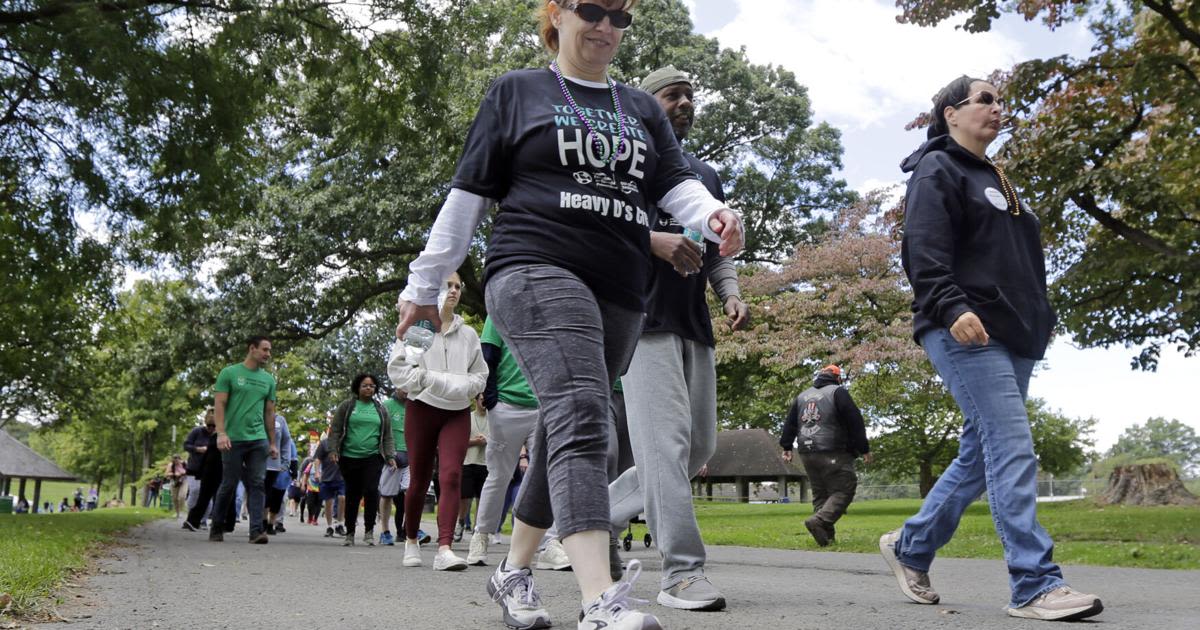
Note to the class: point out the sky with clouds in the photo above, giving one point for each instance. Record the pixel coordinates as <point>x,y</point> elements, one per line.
<point>868,75</point>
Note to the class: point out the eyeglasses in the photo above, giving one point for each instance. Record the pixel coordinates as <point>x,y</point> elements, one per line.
<point>983,98</point>
<point>594,13</point>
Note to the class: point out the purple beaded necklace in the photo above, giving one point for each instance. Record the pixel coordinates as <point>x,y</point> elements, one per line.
<point>612,87</point>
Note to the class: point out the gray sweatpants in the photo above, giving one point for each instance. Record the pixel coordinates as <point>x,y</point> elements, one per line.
<point>509,428</point>
<point>571,348</point>
<point>671,399</point>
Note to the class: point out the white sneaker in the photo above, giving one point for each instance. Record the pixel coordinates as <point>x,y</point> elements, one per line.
<point>445,560</point>
<point>496,539</point>
<point>554,557</point>
<point>477,552</point>
<point>513,591</point>
<point>1061,604</point>
<point>613,609</point>
<point>412,554</point>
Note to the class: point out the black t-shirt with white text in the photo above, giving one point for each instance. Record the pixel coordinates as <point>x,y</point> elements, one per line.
<point>677,304</point>
<point>560,203</point>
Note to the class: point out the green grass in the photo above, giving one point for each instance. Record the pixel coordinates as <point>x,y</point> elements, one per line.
<point>39,551</point>
<point>1084,533</point>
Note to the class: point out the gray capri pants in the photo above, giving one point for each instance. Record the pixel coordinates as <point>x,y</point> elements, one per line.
<point>571,348</point>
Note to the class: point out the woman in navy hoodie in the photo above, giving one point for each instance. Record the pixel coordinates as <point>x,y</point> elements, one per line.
<point>973,254</point>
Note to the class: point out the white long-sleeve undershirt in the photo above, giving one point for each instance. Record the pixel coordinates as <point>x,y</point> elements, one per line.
<point>450,239</point>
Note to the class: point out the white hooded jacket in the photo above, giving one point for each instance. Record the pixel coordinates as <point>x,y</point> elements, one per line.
<point>449,375</point>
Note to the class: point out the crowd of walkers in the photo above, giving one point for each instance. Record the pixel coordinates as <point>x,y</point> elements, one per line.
<point>605,242</point>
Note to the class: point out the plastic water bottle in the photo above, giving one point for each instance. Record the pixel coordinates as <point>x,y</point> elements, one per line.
<point>417,340</point>
<point>695,235</point>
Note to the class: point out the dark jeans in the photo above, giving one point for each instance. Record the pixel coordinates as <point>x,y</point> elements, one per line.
<point>834,483</point>
<point>247,462</point>
<point>362,482</point>
<point>571,348</point>
<point>314,504</point>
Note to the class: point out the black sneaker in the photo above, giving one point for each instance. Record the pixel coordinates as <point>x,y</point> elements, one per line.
<point>216,535</point>
<point>329,532</point>
<point>269,529</point>
<point>260,539</point>
<point>188,526</point>
<point>339,530</point>
<point>279,529</point>
<point>816,527</point>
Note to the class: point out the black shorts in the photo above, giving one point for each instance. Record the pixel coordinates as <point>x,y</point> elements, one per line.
<point>473,477</point>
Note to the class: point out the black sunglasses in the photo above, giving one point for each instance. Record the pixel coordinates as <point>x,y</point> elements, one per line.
<point>983,98</point>
<point>594,13</point>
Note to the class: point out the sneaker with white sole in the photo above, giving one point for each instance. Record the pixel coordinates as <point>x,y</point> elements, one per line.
<point>553,557</point>
<point>694,592</point>
<point>446,560</point>
<point>913,583</point>
<point>514,592</point>
<point>1060,604</point>
<point>613,610</point>
<point>496,539</point>
<point>412,554</point>
<point>348,540</point>
<point>369,538</point>
<point>477,552</point>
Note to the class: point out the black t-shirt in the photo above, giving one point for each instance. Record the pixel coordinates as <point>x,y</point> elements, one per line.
<point>677,304</point>
<point>560,204</point>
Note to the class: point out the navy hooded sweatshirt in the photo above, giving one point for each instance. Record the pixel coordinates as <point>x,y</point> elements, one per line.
<point>964,250</point>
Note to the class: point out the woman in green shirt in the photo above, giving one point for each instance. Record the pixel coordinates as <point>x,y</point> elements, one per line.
<point>360,437</point>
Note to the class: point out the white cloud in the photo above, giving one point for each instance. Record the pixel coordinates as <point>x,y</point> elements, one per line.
<point>859,64</point>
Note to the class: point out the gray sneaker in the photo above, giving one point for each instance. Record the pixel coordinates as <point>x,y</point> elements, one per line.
<point>369,537</point>
<point>695,592</point>
<point>1060,604</point>
<point>348,541</point>
<point>913,583</point>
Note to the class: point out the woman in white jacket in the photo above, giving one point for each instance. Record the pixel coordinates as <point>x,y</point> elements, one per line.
<point>437,420</point>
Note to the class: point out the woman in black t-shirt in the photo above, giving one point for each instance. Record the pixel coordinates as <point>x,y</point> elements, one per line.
<point>575,162</point>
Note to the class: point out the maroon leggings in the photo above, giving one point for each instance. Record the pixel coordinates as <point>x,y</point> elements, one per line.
<point>429,430</point>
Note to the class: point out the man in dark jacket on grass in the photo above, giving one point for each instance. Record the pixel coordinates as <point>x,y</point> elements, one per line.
<point>831,435</point>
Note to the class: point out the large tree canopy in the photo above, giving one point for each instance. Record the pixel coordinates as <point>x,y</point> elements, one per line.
<point>1107,149</point>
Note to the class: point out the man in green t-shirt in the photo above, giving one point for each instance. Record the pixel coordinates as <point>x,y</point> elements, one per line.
<point>393,481</point>
<point>245,398</point>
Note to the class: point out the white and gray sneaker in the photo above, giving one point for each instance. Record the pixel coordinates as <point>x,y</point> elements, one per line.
<point>913,583</point>
<point>477,551</point>
<point>553,557</point>
<point>514,592</point>
<point>446,560</point>
<point>369,537</point>
<point>613,610</point>
<point>412,554</point>
<point>694,592</point>
<point>1060,604</point>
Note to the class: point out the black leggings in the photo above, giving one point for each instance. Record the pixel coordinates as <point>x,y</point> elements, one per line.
<point>362,483</point>
<point>313,499</point>
<point>274,495</point>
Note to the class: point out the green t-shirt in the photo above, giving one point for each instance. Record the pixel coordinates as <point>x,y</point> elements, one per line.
<point>249,390</point>
<point>617,387</point>
<point>395,410</point>
<point>362,431</point>
<point>511,385</point>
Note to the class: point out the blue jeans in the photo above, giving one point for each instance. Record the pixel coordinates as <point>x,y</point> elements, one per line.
<point>995,454</point>
<point>245,462</point>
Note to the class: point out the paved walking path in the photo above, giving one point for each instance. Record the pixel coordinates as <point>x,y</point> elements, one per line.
<point>169,578</point>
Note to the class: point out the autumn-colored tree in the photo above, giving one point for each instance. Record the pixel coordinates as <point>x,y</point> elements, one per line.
<point>844,299</point>
<point>1106,150</point>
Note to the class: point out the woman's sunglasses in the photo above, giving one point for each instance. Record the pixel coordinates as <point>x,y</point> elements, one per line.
<point>594,13</point>
<point>983,98</point>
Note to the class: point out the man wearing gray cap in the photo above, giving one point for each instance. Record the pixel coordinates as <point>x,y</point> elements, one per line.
<point>670,388</point>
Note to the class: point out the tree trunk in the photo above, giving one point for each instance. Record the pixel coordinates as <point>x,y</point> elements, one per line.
<point>121,482</point>
<point>1147,484</point>
<point>927,479</point>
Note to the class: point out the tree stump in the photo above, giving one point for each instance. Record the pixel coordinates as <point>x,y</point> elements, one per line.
<point>1147,484</point>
